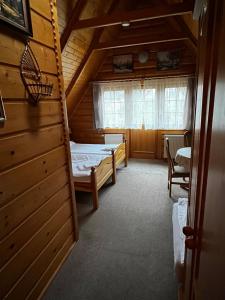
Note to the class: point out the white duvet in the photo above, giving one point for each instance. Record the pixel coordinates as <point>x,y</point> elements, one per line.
<point>179,218</point>
<point>84,157</point>
<point>98,149</point>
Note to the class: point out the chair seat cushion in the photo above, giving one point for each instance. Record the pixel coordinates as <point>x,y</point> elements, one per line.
<point>181,171</point>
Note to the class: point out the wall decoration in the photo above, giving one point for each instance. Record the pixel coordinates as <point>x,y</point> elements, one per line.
<point>143,57</point>
<point>168,60</point>
<point>16,13</point>
<point>123,63</point>
<point>32,77</point>
<point>2,111</point>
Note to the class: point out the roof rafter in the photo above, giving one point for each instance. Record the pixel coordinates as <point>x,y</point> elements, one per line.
<point>77,10</point>
<point>176,36</point>
<point>116,18</point>
<point>179,24</point>
<point>184,27</point>
<point>151,72</point>
<point>96,36</point>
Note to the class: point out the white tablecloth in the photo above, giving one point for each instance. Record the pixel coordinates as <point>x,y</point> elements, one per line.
<point>183,157</point>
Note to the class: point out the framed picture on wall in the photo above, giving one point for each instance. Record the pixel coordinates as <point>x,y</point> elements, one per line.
<point>16,14</point>
<point>123,63</point>
<point>168,60</point>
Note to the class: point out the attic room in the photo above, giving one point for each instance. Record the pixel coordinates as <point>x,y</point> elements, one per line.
<point>112,141</point>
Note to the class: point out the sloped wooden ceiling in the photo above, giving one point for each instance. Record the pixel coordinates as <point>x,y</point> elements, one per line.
<point>76,54</point>
<point>78,41</point>
<point>162,29</point>
<point>91,33</point>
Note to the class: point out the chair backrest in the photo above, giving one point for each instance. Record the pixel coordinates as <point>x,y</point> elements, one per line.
<point>187,138</point>
<point>169,158</point>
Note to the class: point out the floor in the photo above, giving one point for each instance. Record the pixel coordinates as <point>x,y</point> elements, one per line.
<point>125,251</point>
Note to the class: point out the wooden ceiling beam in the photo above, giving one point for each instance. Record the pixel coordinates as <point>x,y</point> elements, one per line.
<point>142,41</point>
<point>96,36</point>
<point>178,24</point>
<point>184,27</point>
<point>147,73</point>
<point>76,12</point>
<point>116,18</point>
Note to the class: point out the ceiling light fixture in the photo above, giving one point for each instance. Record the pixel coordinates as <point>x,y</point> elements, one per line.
<point>125,23</point>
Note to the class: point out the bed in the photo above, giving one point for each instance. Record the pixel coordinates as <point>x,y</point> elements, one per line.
<point>102,149</point>
<point>94,164</point>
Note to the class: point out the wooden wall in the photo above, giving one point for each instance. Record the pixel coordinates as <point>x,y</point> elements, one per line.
<point>149,69</point>
<point>64,8</point>
<point>77,46</point>
<point>37,206</point>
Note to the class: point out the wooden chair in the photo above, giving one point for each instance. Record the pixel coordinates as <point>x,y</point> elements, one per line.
<point>174,171</point>
<point>187,138</point>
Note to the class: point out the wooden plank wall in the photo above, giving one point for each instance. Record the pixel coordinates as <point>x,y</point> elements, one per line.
<point>76,46</point>
<point>38,224</point>
<point>64,9</point>
<point>74,54</point>
<point>82,121</point>
<point>148,69</point>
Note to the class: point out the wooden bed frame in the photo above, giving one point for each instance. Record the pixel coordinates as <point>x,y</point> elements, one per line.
<point>101,173</point>
<point>121,154</point>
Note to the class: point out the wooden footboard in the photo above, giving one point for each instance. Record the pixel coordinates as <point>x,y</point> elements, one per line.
<point>121,154</point>
<point>99,175</point>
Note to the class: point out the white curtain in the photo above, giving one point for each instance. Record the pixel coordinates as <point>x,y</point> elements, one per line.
<point>149,104</point>
<point>189,104</point>
<point>97,102</point>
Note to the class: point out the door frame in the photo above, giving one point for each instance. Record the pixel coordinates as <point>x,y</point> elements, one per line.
<point>209,29</point>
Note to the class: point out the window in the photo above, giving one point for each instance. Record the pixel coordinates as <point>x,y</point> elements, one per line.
<point>156,104</point>
<point>114,109</point>
<point>174,107</point>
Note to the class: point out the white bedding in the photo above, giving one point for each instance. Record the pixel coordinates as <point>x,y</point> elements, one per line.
<point>86,156</point>
<point>179,219</point>
<point>82,164</point>
<point>98,149</point>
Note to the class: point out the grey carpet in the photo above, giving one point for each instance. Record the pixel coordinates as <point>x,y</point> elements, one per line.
<point>125,250</point>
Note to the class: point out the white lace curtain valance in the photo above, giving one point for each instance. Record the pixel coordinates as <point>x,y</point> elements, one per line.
<point>149,104</point>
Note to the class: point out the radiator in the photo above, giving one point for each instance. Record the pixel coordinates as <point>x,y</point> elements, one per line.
<point>113,138</point>
<point>176,142</point>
